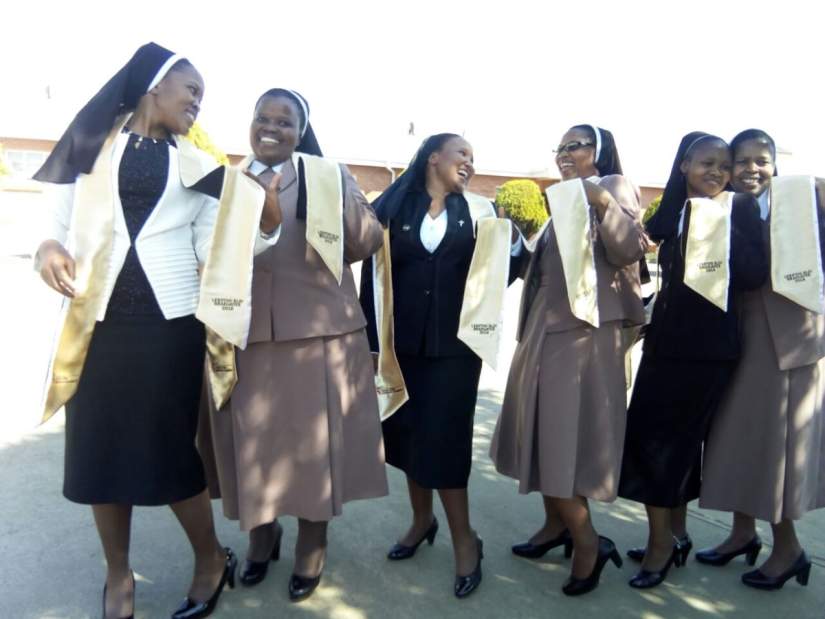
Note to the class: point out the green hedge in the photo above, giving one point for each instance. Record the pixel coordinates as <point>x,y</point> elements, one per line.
<point>524,203</point>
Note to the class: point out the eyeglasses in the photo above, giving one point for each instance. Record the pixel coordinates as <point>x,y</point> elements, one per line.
<point>571,147</point>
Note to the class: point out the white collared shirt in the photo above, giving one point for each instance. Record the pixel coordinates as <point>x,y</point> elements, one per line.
<point>764,200</point>
<point>433,230</point>
<point>257,168</point>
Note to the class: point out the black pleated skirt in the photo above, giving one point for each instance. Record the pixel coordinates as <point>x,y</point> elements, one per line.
<point>130,428</point>
<point>430,438</point>
<point>667,421</point>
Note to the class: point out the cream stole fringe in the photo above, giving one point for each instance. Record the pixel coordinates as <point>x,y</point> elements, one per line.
<point>481,310</point>
<point>707,250</point>
<point>796,258</point>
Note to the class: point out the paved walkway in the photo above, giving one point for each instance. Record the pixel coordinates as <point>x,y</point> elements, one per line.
<point>52,565</point>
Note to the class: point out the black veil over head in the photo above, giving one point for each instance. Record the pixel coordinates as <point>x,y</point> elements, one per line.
<point>77,149</point>
<point>665,221</point>
<point>414,178</point>
<point>308,143</point>
<point>607,155</point>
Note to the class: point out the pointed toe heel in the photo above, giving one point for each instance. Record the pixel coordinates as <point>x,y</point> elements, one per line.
<point>399,552</point>
<point>528,550</point>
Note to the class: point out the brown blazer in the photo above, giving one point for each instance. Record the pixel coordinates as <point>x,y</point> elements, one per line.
<point>294,295</point>
<point>620,244</point>
<point>798,335</point>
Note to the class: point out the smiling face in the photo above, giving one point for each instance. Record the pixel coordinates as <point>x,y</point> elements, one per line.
<point>275,130</point>
<point>707,169</point>
<point>177,98</point>
<point>753,167</point>
<point>452,166</point>
<point>575,155</point>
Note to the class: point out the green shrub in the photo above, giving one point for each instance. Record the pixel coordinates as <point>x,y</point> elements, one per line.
<point>523,202</point>
<point>652,208</point>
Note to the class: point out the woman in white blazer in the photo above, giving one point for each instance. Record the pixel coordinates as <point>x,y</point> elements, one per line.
<point>132,398</point>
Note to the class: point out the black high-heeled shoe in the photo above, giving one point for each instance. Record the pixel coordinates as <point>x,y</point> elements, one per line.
<point>536,551</point>
<point>751,551</point>
<point>133,600</point>
<point>301,587</point>
<point>580,586</point>
<point>465,585</point>
<point>190,609</point>
<point>254,572</point>
<point>646,579</point>
<point>685,546</point>
<point>399,552</point>
<point>801,570</point>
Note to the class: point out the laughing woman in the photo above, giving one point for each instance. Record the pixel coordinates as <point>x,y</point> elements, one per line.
<point>432,239</point>
<point>690,351</point>
<point>562,420</point>
<point>301,435</point>
<point>764,453</point>
<point>131,225</point>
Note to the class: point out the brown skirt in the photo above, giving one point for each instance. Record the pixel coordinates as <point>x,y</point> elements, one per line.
<point>765,452</point>
<point>301,435</point>
<point>562,423</point>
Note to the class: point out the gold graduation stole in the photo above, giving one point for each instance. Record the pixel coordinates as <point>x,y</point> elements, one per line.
<point>796,258</point>
<point>481,309</point>
<point>573,227</point>
<point>225,301</point>
<point>325,210</point>
<point>92,229</point>
<point>707,249</point>
<point>389,382</point>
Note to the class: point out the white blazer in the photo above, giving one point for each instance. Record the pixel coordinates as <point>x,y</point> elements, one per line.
<point>174,241</point>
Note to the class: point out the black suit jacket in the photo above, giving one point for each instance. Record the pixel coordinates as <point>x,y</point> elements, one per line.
<point>428,289</point>
<point>687,326</point>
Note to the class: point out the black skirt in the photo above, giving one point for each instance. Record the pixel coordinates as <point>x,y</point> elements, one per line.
<point>430,438</point>
<point>667,421</point>
<point>130,428</point>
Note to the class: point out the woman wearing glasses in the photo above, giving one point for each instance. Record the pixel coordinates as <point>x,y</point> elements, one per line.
<point>561,427</point>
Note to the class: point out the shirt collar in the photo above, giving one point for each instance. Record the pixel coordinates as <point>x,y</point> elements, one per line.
<point>256,167</point>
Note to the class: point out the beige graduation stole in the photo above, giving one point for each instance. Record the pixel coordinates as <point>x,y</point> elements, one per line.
<point>92,230</point>
<point>796,258</point>
<point>482,309</point>
<point>389,382</point>
<point>325,210</point>
<point>225,301</point>
<point>707,249</point>
<point>573,227</point>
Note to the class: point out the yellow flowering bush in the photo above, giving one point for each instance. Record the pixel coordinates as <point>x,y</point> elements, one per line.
<point>523,202</point>
<point>198,136</point>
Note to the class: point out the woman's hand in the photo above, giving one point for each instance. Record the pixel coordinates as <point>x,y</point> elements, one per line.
<point>599,198</point>
<point>57,267</point>
<point>271,215</point>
